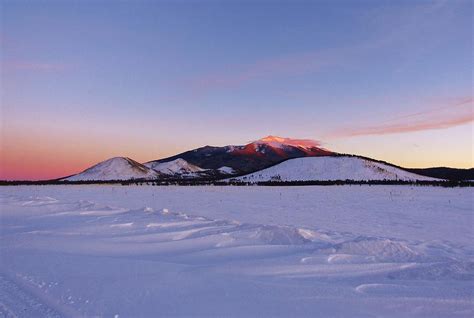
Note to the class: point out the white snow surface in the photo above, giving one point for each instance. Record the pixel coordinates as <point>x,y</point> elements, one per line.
<point>226,170</point>
<point>175,167</point>
<point>118,168</point>
<point>147,251</point>
<point>331,168</point>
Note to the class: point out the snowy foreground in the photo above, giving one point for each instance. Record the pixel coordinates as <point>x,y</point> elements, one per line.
<point>134,251</point>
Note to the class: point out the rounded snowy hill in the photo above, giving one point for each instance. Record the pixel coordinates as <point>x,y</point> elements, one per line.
<point>118,168</point>
<point>331,168</point>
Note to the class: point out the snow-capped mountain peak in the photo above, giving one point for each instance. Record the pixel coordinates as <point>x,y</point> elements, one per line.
<point>281,142</point>
<point>250,157</point>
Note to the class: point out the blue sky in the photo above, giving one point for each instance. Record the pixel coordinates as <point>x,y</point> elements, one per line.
<point>147,79</point>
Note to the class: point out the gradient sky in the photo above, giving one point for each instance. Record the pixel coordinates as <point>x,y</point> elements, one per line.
<point>82,81</point>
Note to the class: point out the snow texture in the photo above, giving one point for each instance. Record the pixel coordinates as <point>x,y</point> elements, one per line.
<point>138,251</point>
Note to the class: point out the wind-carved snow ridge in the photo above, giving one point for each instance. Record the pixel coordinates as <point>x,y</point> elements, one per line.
<point>147,225</point>
<point>331,168</point>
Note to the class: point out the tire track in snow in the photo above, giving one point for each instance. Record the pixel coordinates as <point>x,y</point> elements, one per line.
<point>15,301</point>
<point>20,299</point>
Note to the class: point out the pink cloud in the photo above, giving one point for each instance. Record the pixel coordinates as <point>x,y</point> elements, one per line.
<point>266,68</point>
<point>443,105</point>
<point>457,113</point>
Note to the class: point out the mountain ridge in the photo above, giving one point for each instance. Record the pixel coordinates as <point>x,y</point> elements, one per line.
<point>232,161</point>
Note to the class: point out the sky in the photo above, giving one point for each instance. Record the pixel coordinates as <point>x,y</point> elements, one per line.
<point>83,81</point>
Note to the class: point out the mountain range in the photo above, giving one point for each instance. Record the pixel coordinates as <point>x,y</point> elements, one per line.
<point>267,159</point>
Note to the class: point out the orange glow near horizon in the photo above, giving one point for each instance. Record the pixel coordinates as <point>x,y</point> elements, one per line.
<point>38,166</point>
<point>42,151</point>
<point>41,156</point>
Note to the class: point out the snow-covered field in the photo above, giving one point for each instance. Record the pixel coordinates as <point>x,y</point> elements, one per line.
<point>134,251</point>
